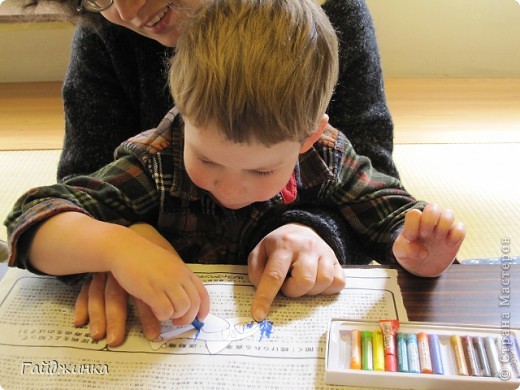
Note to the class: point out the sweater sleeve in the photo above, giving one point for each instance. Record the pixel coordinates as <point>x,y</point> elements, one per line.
<point>327,223</point>
<point>358,107</point>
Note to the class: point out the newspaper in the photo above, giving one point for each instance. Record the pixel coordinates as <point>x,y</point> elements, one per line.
<point>41,349</point>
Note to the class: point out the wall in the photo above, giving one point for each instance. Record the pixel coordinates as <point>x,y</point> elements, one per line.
<point>34,52</point>
<point>417,38</point>
<point>454,38</point>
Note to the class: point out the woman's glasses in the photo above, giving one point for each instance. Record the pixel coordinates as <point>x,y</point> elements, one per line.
<point>93,5</point>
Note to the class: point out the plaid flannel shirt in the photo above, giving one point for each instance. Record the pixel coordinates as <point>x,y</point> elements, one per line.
<point>147,183</point>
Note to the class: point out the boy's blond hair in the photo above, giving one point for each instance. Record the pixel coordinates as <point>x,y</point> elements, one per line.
<point>260,70</point>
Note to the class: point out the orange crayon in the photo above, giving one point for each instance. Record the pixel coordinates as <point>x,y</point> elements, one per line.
<point>355,349</point>
<point>425,359</point>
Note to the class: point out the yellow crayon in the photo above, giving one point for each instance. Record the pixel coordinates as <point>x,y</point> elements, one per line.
<point>460,360</point>
<point>378,352</point>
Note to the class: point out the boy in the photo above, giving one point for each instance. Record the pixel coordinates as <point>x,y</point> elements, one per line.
<point>251,80</point>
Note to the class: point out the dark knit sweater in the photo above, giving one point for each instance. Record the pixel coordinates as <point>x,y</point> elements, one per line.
<point>116,86</point>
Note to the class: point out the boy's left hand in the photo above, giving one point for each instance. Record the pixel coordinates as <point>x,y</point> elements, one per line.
<point>429,241</point>
<point>295,260</point>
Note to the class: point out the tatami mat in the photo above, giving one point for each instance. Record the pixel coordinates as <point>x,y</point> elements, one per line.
<point>19,172</point>
<point>478,181</point>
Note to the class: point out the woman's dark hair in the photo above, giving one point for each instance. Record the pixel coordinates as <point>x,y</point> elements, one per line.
<point>69,12</point>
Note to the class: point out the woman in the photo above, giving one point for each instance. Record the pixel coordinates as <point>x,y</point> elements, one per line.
<point>116,87</point>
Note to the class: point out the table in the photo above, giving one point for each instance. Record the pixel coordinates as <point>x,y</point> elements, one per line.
<point>466,294</point>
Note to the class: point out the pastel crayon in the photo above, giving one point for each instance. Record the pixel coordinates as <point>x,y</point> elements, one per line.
<point>480,350</point>
<point>492,355</point>
<point>378,352</point>
<point>402,353</point>
<point>503,348</point>
<point>366,351</point>
<point>413,354</point>
<point>197,324</point>
<point>471,356</point>
<point>389,328</point>
<point>355,350</point>
<point>514,355</point>
<point>435,352</point>
<point>460,360</point>
<point>425,359</point>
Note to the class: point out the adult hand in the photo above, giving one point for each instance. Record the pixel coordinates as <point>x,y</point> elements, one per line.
<point>293,259</point>
<point>102,303</point>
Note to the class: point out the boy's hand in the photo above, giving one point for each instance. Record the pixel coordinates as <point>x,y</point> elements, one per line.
<point>295,260</point>
<point>160,280</point>
<point>429,241</point>
<point>102,302</point>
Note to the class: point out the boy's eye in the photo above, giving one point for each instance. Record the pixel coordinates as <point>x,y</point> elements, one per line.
<point>257,173</point>
<point>263,173</point>
<point>206,162</point>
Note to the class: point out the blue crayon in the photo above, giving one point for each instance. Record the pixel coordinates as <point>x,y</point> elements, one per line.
<point>413,354</point>
<point>197,324</point>
<point>402,353</point>
<point>435,351</point>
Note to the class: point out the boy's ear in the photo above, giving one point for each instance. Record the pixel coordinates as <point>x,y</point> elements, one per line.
<point>307,144</point>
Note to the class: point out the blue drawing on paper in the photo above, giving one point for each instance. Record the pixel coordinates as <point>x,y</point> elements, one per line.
<point>265,327</point>
<point>217,332</point>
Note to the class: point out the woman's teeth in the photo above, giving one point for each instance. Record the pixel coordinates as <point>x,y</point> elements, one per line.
<point>158,18</point>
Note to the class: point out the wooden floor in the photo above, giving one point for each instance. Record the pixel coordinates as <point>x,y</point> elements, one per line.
<point>455,110</point>
<point>424,111</point>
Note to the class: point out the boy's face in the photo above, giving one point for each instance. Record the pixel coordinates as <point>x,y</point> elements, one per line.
<point>237,174</point>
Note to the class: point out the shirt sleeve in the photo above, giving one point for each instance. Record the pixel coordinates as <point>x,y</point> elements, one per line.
<point>122,193</point>
<point>372,203</point>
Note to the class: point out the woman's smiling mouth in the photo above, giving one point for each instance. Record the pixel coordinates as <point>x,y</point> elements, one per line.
<point>158,17</point>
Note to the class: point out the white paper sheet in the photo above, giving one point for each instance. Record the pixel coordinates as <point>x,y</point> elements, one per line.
<point>41,349</point>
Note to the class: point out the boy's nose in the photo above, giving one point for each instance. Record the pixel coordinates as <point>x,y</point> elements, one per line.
<point>128,9</point>
<point>230,190</point>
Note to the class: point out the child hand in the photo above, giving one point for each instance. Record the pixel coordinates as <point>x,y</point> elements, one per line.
<point>429,241</point>
<point>162,281</point>
<point>295,260</point>
<point>102,302</point>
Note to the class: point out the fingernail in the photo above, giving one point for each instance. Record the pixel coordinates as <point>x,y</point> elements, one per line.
<point>110,339</point>
<point>151,333</point>
<point>259,314</point>
<point>94,332</point>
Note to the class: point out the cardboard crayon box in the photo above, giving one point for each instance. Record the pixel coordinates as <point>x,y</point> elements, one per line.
<point>428,356</point>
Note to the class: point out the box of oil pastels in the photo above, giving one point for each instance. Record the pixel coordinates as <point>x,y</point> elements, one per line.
<point>417,355</point>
